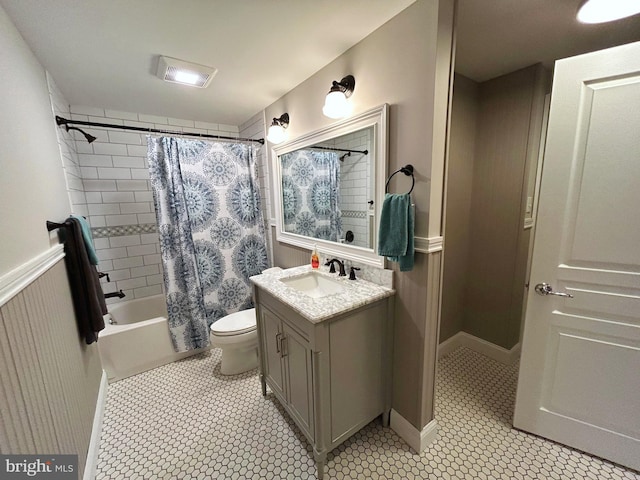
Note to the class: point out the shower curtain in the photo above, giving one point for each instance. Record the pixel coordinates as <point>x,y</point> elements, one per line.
<point>211,231</point>
<point>311,194</point>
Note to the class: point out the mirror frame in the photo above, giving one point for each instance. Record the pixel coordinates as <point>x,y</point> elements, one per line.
<point>378,119</point>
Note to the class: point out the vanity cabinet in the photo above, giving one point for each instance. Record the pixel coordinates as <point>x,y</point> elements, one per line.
<point>333,376</point>
<point>288,368</point>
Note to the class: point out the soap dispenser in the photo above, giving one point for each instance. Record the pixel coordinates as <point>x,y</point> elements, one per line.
<point>315,260</point>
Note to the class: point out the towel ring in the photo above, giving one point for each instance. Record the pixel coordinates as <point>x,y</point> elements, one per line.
<point>407,170</point>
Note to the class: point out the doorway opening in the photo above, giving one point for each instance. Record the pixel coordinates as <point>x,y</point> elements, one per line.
<point>496,139</point>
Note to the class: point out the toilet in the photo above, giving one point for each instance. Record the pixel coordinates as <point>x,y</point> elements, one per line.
<point>236,335</point>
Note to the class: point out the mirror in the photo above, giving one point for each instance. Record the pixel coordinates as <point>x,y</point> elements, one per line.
<point>326,189</point>
<point>329,186</point>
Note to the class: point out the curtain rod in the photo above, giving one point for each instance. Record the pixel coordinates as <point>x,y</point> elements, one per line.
<point>64,121</point>
<point>364,152</point>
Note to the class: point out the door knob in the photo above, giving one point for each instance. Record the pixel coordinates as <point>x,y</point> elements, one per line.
<point>546,289</point>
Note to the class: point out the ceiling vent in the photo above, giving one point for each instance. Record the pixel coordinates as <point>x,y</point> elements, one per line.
<point>178,71</point>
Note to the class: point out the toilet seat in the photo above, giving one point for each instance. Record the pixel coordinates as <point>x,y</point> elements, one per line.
<point>235,324</point>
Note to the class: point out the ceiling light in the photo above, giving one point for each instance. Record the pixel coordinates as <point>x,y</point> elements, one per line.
<point>186,73</point>
<point>336,105</point>
<point>187,77</point>
<point>277,128</point>
<point>600,11</point>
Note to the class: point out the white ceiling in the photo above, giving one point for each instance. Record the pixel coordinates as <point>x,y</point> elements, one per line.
<point>104,52</point>
<point>499,36</point>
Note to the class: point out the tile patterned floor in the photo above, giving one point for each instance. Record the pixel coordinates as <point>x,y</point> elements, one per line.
<point>186,421</point>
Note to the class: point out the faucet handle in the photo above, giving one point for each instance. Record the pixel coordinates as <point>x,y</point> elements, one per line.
<point>332,268</point>
<point>342,272</point>
<point>352,273</point>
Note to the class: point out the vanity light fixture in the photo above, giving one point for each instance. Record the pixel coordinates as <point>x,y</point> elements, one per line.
<point>600,11</point>
<point>336,105</point>
<point>277,128</point>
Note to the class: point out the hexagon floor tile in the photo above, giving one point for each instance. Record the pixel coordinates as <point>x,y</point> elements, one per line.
<point>187,421</point>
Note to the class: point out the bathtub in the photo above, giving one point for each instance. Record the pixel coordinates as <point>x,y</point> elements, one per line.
<point>139,340</point>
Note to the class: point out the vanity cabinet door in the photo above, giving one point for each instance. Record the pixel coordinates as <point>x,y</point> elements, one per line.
<point>272,347</point>
<point>297,362</point>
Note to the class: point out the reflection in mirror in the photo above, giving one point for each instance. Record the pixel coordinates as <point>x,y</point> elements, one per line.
<point>327,190</point>
<point>328,185</point>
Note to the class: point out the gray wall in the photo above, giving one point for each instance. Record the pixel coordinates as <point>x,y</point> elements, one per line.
<point>486,244</point>
<point>458,205</point>
<point>49,378</point>
<point>406,64</point>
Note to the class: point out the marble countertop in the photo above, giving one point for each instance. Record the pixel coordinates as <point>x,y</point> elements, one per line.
<point>355,293</point>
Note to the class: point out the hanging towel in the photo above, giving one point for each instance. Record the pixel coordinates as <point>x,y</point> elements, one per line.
<point>395,237</point>
<point>88,298</point>
<point>88,239</point>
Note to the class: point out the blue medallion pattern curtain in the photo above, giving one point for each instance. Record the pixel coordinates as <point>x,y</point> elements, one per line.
<point>211,231</point>
<point>311,194</point>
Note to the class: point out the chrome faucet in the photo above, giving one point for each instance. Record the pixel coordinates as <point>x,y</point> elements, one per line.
<point>333,267</point>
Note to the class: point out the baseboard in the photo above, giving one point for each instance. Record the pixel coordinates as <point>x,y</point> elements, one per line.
<point>416,439</point>
<point>94,444</point>
<point>464,339</point>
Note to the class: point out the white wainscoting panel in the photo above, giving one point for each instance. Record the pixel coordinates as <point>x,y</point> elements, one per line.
<point>49,379</point>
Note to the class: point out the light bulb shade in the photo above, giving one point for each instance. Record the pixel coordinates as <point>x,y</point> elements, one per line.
<point>277,128</point>
<point>276,134</point>
<point>335,105</point>
<point>600,11</point>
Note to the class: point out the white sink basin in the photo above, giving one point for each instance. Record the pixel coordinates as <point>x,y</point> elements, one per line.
<point>314,285</point>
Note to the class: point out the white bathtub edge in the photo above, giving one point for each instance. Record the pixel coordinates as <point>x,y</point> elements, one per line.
<point>91,464</point>
<point>137,369</point>
<point>116,328</point>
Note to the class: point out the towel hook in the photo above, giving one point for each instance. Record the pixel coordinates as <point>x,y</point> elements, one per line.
<point>407,170</point>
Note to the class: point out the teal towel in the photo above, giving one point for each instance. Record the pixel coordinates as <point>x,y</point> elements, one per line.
<point>395,237</point>
<point>88,239</point>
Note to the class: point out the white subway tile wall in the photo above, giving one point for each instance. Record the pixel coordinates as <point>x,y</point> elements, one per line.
<point>68,152</point>
<point>108,181</point>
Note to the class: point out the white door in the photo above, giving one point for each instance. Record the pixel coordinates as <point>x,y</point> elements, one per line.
<point>579,378</point>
